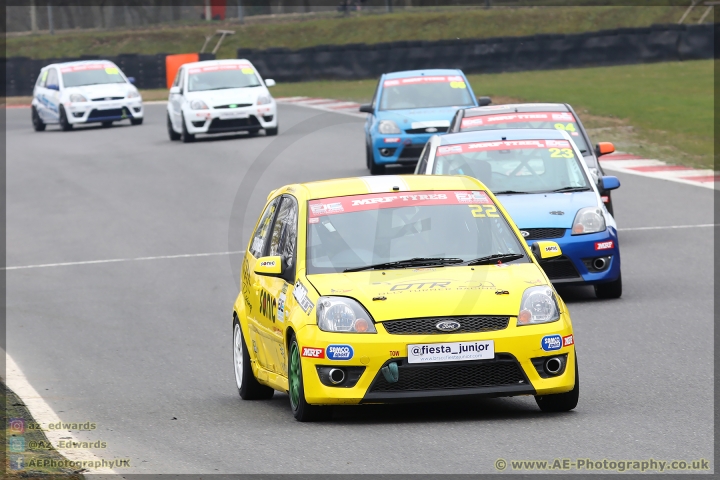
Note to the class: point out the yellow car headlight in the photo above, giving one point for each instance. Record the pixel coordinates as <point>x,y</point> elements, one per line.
<point>343,315</point>
<point>538,305</point>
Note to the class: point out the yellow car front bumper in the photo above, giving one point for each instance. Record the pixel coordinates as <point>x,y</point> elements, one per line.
<point>511,372</point>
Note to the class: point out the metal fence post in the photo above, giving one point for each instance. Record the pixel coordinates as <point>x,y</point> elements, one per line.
<point>51,27</point>
<point>33,17</point>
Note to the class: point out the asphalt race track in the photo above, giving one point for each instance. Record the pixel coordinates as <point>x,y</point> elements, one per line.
<point>143,347</point>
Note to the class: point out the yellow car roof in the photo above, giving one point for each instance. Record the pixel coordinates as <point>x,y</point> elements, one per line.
<point>384,183</point>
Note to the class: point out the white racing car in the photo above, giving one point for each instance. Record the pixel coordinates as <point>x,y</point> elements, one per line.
<point>91,91</point>
<point>220,96</point>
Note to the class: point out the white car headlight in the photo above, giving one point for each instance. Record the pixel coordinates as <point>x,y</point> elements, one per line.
<point>133,94</point>
<point>76,97</point>
<point>538,305</point>
<point>343,315</point>
<point>264,99</point>
<point>198,105</point>
<point>388,127</point>
<point>588,220</point>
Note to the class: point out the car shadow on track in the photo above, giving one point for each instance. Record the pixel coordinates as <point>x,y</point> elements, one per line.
<point>399,170</point>
<point>87,128</point>
<point>483,409</point>
<point>221,137</point>
<point>580,294</point>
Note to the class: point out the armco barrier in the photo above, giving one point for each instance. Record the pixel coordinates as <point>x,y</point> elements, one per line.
<point>658,43</point>
<point>148,70</point>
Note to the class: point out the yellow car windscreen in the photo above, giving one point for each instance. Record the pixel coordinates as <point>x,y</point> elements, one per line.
<point>359,230</point>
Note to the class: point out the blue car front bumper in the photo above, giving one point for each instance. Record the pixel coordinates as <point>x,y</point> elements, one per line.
<point>403,148</point>
<point>581,257</point>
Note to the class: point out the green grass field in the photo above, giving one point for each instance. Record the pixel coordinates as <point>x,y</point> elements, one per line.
<point>304,31</point>
<point>661,110</point>
<point>41,455</point>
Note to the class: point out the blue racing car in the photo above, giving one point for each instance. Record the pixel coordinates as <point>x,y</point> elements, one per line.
<point>542,181</point>
<point>407,108</point>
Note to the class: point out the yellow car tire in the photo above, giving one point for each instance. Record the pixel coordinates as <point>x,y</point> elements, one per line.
<point>561,402</point>
<point>302,411</point>
<point>248,386</point>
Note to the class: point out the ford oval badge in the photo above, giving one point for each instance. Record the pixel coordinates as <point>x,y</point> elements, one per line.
<point>447,325</point>
<point>524,233</point>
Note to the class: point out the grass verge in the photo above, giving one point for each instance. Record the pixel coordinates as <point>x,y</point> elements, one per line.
<point>15,409</point>
<point>305,31</point>
<point>661,110</point>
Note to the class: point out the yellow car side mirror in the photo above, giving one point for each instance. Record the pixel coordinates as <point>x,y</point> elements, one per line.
<point>269,266</point>
<point>544,250</point>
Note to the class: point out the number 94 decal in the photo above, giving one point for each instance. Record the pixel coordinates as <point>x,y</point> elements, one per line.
<point>483,211</point>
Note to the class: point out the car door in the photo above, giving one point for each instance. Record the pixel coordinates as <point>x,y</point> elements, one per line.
<point>275,292</point>
<point>176,100</point>
<point>51,96</point>
<point>371,117</point>
<point>38,93</point>
<point>251,282</point>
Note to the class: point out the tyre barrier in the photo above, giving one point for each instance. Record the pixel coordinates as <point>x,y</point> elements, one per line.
<point>622,46</point>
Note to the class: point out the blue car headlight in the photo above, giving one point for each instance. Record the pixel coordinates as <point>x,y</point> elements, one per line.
<point>387,127</point>
<point>588,220</point>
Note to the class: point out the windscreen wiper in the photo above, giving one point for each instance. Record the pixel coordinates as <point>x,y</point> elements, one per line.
<point>570,189</point>
<point>513,192</point>
<point>225,88</point>
<point>496,258</point>
<point>411,262</point>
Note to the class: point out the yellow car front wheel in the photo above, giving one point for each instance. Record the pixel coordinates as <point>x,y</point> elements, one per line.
<point>302,411</point>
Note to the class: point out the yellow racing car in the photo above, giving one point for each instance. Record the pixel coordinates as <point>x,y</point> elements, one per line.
<point>397,289</point>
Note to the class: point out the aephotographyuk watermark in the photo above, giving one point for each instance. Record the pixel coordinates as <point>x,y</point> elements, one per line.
<point>589,464</point>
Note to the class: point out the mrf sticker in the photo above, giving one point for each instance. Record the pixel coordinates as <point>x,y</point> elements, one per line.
<point>339,352</point>
<point>551,342</point>
<point>312,352</point>
<point>607,245</point>
<point>568,340</point>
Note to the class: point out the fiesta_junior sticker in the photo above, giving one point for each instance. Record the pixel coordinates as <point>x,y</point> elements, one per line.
<point>339,352</point>
<point>551,342</point>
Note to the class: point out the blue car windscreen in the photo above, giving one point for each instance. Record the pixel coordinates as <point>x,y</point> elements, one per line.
<point>425,92</point>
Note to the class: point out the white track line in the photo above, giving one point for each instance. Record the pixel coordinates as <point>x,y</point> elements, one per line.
<point>116,260</point>
<point>324,104</point>
<point>633,164</point>
<point>670,227</point>
<point>43,414</point>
